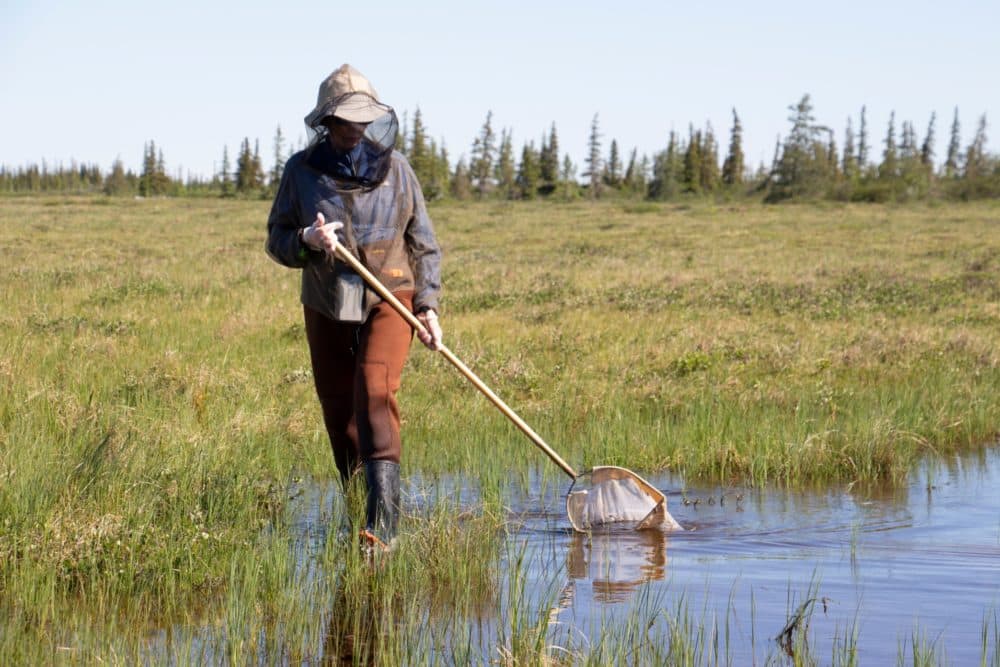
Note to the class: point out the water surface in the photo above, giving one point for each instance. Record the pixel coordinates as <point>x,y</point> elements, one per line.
<point>923,559</point>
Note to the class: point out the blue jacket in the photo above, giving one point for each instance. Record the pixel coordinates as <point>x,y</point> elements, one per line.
<point>386,227</point>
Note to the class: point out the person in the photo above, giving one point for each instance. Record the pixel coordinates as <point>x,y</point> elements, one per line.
<point>350,186</point>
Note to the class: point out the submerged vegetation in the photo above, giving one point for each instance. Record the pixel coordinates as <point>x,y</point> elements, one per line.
<point>158,410</point>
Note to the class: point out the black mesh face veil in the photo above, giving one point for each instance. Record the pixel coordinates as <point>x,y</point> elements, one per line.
<point>369,161</point>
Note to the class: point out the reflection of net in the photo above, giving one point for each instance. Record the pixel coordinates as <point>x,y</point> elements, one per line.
<point>617,496</point>
<point>616,563</point>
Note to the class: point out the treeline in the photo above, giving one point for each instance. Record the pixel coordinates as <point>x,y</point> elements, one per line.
<point>247,178</point>
<point>807,164</point>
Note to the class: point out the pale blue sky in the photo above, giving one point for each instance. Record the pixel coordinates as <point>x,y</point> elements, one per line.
<point>94,80</point>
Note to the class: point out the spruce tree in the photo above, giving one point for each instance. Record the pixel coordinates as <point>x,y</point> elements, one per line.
<point>594,167</point>
<point>863,143</point>
<point>908,143</point>
<point>709,153</point>
<point>833,162</point>
<point>483,156</point>
<point>549,162</point>
<point>154,180</point>
<point>912,173</point>
<point>244,168</point>
<point>543,151</point>
<point>505,169</point>
<point>667,169</point>
<point>954,146</point>
<point>151,182</point>
<point>674,165</point>
<point>733,166</point>
<point>278,168</point>
<point>804,165</point>
<point>634,180</point>
<point>642,175</point>
<point>567,178</point>
<point>225,174</point>
<point>529,172</point>
<point>691,174</point>
<point>613,167</point>
<point>161,182</point>
<point>147,179</point>
<point>258,167</point>
<point>437,185</point>
<point>432,184</point>
<point>927,148</point>
<point>889,168</point>
<point>975,154</point>
<point>849,163</point>
<point>116,183</point>
<point>419,154</point>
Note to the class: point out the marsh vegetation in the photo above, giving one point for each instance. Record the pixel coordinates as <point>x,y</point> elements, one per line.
<point>157,417</point>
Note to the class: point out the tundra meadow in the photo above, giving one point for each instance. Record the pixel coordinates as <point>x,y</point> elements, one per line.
<point>157,417</point>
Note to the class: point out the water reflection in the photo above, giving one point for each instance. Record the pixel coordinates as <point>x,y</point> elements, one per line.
<point>617,562</point>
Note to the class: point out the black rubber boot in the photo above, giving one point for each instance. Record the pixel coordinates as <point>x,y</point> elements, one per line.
<point>382,516</point>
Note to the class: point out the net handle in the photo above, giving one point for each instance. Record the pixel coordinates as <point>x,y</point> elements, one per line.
<point>341,252</point>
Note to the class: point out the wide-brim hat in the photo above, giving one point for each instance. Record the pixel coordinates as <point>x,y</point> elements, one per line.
<point>347,94</point>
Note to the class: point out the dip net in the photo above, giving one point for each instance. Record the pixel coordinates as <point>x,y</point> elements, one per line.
<point>613,497</point>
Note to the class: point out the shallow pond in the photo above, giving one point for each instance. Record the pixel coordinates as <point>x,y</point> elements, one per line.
<point>878,572</point>
<point>921,561</point>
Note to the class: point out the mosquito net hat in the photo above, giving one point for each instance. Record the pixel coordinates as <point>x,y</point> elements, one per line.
<point>348,94</point>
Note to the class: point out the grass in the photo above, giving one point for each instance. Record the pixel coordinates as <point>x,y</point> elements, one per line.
<point>158,401</point>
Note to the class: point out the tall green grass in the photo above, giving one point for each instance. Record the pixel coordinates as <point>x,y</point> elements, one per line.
<point>157,400</point>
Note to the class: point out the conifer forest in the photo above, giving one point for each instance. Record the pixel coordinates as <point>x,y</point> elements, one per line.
<point>859,163</point>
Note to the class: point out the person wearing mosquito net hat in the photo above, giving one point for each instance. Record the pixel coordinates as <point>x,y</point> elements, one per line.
<point>350,185</point>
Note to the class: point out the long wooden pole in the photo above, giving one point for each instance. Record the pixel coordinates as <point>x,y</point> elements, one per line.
<point>412,320</point>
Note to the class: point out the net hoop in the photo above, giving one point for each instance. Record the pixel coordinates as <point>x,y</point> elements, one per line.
<point>617,497</point>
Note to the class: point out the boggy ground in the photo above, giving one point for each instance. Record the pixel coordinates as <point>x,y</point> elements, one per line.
<point>158,402</point>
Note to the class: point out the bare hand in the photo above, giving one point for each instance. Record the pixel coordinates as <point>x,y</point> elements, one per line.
<point>322,236</point>
<point>431,334</point>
